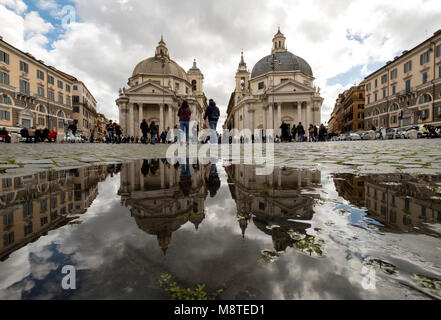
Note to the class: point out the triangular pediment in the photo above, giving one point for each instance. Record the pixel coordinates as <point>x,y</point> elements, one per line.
<point>149,87</point>
<point>291,86</point>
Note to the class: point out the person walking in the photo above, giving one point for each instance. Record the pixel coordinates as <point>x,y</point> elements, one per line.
<point>45,134</point>
<point>285,131</point>
<point>4,134</point>
<point>212,114</point>
<point>301,132</point>
<point>52,137</point>
<point>110,130</point>
<point>315,135</point>
<point>154,130</point>
<point>184,115</point>
<point>118,132</point>
<point>145,130</point>
<point>293,133</point>
<point>322,133</point>
<point>31,134</point>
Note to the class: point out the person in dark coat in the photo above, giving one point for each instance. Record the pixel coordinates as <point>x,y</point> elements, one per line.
<point>293,133</point>
<point>301,132</point>
<point>285,131</point>
<point>154,131</point>
<point>145,130</point>
<point>212,114</point>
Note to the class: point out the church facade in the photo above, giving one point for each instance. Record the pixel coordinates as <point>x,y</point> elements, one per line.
<point>279,89</point>
<point>156,90</point>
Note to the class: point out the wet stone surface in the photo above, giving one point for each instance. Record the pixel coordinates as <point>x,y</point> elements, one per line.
<point>324,227</point>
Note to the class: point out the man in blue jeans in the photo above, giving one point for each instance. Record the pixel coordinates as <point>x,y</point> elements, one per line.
<point>212,113</point>
<point>184,115</point>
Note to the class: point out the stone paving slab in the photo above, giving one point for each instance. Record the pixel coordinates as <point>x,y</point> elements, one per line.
<point>399,156</point>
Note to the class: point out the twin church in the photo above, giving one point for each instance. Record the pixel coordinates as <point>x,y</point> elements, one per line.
<point>279,89</point>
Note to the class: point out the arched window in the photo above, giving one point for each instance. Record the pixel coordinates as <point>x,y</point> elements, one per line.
<point>194,86</point>
<point>41,109</point>
<point>376,112</point>
<point>60,114</point>
<point>425,98</point>
<point>5,99</point>
<point>394,107</point>
<point>280,44</point>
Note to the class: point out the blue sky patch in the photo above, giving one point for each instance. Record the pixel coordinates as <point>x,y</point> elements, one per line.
<point>55,16</point>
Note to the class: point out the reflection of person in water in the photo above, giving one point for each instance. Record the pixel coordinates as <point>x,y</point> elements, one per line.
<point>185,182</point>
<point>154,166</point>
<point>212,180</point>
<point>145,168</point>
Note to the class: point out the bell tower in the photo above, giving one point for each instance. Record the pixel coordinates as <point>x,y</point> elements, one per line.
<point>242,76</point>
<point>279,43</point>
<point>196,79</point>
<point>161,49</point>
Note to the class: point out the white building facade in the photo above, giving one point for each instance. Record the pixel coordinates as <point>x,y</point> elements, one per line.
<point>156,90</point>
<point>279,89</point>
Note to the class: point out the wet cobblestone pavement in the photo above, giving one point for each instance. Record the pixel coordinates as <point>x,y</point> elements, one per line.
<point>361,157</point>
<point>349,220</point>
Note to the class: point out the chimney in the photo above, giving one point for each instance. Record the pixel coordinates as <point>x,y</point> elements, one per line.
<point>405,51</point>
<point>1,37</point>
<point>435,34</point>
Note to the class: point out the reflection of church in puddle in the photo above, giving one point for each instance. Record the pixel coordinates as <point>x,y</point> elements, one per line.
<point>31,206</point>
<point>278,199</point>
<point>163,197</point>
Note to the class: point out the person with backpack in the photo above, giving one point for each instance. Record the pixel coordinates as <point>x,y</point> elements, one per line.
<point>212,114</point>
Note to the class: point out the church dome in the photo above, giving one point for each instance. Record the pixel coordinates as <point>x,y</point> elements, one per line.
<point>153,65</point>
<point>286,62</point>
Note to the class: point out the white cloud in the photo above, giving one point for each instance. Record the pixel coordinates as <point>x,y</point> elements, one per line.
<point>113,36</point>
<point>17,5</point>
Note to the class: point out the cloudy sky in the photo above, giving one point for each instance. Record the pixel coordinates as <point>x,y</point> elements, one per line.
<point>101,41</point>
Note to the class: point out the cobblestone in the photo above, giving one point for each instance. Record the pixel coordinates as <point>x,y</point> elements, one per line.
<point>362,157</point>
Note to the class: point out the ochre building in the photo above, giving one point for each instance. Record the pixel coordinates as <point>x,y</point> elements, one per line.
<point>406,91</point>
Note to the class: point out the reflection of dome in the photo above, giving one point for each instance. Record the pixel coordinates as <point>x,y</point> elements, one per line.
<point>154,66</point>
<point>288,62</point>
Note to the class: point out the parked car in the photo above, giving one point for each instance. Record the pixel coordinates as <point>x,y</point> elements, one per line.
<point>395,133</point>
<point>353,137</point>
<point>342,137</point>
<point>418,129</point>
<point>70,137</point>
<point>364,136</point>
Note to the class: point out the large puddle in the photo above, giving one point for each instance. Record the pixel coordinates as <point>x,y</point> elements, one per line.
<point>149,230</point>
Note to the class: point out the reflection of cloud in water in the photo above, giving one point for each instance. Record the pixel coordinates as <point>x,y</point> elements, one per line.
<point>115,258</point>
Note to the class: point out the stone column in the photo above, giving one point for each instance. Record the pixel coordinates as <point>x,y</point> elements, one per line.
<point>170,117</point>
<point>252,123</point>
<point>131,121</point>
<point>308,115</point>
<point>299,112</point>
<point>279,118</point>
<point>246,119</point>
<point>270,117</point>
<point>265,120</point>
<point>141,117</point>
<point>161,118</point>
